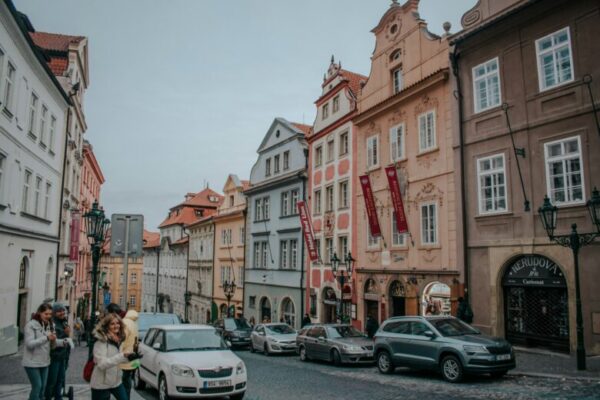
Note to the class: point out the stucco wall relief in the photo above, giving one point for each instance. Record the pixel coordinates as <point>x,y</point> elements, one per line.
<point>428,192</point>
<point>425,104</point>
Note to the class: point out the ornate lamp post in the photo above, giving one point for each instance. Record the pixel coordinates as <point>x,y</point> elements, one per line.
<point>574,241</point>
<point>229,290</point>
<point>97,226</point>
<point>342,275</point>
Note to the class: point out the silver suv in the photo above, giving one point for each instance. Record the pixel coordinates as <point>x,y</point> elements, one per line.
<point>440,343</point>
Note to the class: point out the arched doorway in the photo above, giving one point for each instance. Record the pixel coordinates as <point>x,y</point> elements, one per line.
<point>265,309</point>
<point>371,298</point>
<point>288,312</point>
<point>436,299</point>
<point>23,295</point>
<point>397,299</point>
<point>536,303</point>
<point>223,310</point>
<point>329,306</point>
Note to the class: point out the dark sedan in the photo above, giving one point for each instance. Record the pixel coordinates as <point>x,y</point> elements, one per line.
<point>337,343</point>
<point>235,330</point>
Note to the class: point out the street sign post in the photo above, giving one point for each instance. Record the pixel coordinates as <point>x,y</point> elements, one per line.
<point>127,231</point>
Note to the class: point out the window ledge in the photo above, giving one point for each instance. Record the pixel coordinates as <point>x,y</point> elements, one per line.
<point>494,214</point>
<point>428,151</point>
<point>400,160</point>
<point>3,206</point>
<point>373,168</point>
<point>343,208</point>
<point>429,247</point>
<point>573,204</point>
<point>557,86</point>
<point>35,218</point>
<point>288,216</point>
<point>32,136</point>
<point>488,110</point>
<point>7,113</point>
<point>43,145</point>
<point>51,152</point>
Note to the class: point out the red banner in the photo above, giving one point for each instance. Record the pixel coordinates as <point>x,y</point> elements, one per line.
<point>309,237</point>
<point>365,183</point>
<point>75,226</point>
<point>401,223</point>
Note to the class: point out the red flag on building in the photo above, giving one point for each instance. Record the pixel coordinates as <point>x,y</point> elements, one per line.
<point>307,229</point>
<point>365,183</point>
<point>401,223</point>
<point>75,226</point>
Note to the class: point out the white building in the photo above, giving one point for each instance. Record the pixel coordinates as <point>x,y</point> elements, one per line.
<point>201,270</point>
<point>32,145</point>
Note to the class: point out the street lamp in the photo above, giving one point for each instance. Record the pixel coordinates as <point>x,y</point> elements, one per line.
<point>574,241</point>
<point>229,290</point>
<point>97,227</point>
<point>340,275</point>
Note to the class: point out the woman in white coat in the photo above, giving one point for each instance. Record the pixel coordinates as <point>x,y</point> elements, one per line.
<point>36,353</point>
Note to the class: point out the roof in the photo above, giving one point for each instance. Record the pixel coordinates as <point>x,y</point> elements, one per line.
<point>55,41</point>
<point>183,240</point>
<point>181,216</point>
<point>304,128</point>
<point>354,80</point>
<point>200,221</point>
<point>151,239</point>
<point>202,199</point>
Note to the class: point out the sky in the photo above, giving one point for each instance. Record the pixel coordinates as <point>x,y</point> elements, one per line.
<point>182,91</point>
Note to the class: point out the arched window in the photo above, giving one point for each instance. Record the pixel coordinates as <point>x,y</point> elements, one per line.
<point>23,273</point>
<point>288,312</point>
<point>49,274</point>
<point>395,56</point>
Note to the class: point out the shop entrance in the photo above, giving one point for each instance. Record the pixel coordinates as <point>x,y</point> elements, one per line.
<point>330,303</point>
<point>397,295</point>
<point>536,303</point>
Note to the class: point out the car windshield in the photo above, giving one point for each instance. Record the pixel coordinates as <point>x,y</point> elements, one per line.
<point>145,322</point>
<point>195,340</point>
<point>344,331</point>
<point>453,327</point>
<point>282,329</point>
<point>233,324</point>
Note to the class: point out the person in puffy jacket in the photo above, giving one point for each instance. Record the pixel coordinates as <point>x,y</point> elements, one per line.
<point>36,353</point>
<point>106,377</point>
<point>131,335</point>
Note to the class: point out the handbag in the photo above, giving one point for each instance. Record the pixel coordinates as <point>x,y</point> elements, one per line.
<point>88,369</point>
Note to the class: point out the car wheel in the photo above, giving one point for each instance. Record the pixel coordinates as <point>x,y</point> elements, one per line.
<point>452,369</point>
<point>302,351</point>
<point>238,396</point>
<point>498,374</point>
<point>138,383</point>
<point>384,363</point>
<point>266,350</point>
<point>335,357</point>
<point>163,391</point>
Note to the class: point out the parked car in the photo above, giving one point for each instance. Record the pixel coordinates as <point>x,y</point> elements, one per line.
<point>190,361</point>
<point>235,330</point>
<point>273,338</point>
<point>149,319</point>
<point>338,343</point>
<point>440,343</point>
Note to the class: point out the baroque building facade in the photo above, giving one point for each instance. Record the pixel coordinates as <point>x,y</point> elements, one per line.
<point>201,269</point>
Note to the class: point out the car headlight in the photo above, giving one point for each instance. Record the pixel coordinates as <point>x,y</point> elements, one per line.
<point>475,349</point>
<point>272,339</point>
<point>182,370</point>
<point>240,369</point>
<point>350,347</point>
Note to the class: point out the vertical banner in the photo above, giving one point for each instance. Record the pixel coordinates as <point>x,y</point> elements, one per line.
<point>365,183</point>
<point>75,227</point>
<point>309,237</point>
<point>401,222</point>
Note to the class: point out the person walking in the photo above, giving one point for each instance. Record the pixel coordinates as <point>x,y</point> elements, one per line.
<point>129,345</point>
<point>306,320</point>
<point>78,330</point>
<point>464,311</point>
<point>59,353</point>
<point>106,377</point>
<point>36,352</point>
<point>372,326</point>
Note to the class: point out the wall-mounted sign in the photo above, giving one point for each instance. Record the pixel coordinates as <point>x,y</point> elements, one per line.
<point>534,270</point>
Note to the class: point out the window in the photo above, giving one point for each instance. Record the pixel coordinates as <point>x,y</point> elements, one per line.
<point>37,197</point>
<point>285,204</point>
<point>293,254</point>
<point>373,151</point>
<point>343,247</point>
<point>328,250</point>
<point>397,143</point>
<point>564,177</point>
<point>231,201</point>
<point>319,156</point>
<point>343,194</point>
<point>397,77</point>
<point>266,209</point>
<point>343,143</point>
<point>242,234</point>
<point>283,251</point>
<point>257,253</point>
<point>397,237</point>
<point>492,184</point>
<point>2,168</point>
<point>325,111</point>
<point>486,85</point>
<point>263,247</point>
<point>429,223</point>
<point>286,160</point>
<point>43,123</point>
<point>133,278</point>
<point>294,203</point>
<point>554,58</point>
<point>9,84</point>
<point>318,246</point>
<point>268,167</point>
<point>329,198</point>
<point>121,278</point>
<point>52,133</point>
<point>427,131</point>
<point>26,188</point>
<point>132,301</point>
<point>336,104</point>
<point>258,210</point>
<point>330,149</point>
<point>276,164</point>
<point>252,301</point>
<point>372,241</point>
<point>241,276</point>
<point>317,202</point>
<point>33,105</point>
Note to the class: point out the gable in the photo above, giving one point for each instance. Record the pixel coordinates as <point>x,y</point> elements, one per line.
<point>280,131</point>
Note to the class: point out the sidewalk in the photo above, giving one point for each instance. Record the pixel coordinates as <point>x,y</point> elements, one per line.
<point>547,364</point>
<point>21,392</point>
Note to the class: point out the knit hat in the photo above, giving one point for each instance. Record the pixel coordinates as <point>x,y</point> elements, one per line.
<point>57,307</point>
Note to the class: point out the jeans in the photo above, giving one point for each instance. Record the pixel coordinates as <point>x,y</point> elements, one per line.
<point>56,379</point>
<point>104,394</point>
<point>37,378</point>
<point>127,380</point>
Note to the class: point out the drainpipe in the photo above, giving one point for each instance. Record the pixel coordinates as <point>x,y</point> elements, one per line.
<point>454,60</point>
<point>303,176</point>
<point>62,199</point>
<point>212,293</point>
<point>245,214</point>
<point>187,273</point>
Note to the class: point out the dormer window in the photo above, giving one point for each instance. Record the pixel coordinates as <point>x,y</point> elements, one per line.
<point>231,201</point>
<point>336,104</point>
<point>325,111</point>
<point>395,55</point>
<point>398,81</point>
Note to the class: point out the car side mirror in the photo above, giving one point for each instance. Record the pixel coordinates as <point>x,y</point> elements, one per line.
<point>430,334</point>
<point>156,346</point>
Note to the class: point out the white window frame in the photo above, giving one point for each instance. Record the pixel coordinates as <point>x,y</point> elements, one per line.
<point>285,204</point>
<point>37,196</point>
<point>293,253</point>
<point>268,167</point>
<point>319,155</point>
<point>52,133</point>
<point>264,254</point>
<point>3,162</point>
<point>286,160</point>
<point>276,164</point>
<point>425,116</point>
<point>343,247</point>
<point>344,145</point>
<point>329,198</point>
<point>8,93</point>
<point>325,112</point>
<point>283,254</point>
<point>318,202</point>
<point>26,190</point>
<point>481,174</point>
<point>372,241</point>
<point>294,196</point>
<point>486,77</point>
<point>257,254</point>
<point>553,49</point>
<point>330,149</point>
<point>424,239</point>
<point>397,80</point>
<point>398,239</point>
<point>34,101</point>
<point>336,104</point>
<point>394,147</point>
<point>343,198</point>
<point>43,125</point>
<point>329,250</point>
<point>373,155</point>
<point>563,158</point>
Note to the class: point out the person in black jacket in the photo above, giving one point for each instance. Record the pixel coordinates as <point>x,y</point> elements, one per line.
<point>464,311</point>
<point>306,320</point>
<point>372,326</point>
<point>59,353</point>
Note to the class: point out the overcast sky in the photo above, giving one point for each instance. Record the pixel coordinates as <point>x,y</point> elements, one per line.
<point>183,91</point>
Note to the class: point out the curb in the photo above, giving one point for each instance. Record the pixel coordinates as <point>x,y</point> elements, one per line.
<point>554,376</point>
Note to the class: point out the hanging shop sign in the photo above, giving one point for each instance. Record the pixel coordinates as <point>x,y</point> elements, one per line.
<point>307,229</point>
<point>401,223</point>
<point>75,228</point>
<point>374,227</point>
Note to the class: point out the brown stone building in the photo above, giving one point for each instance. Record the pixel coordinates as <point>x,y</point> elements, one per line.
<point>525,62</point>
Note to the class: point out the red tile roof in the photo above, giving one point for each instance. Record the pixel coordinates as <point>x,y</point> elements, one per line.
<point>203,199</point>
<point>54,41</point>
<point>58,65</point>
<point>183,240</point>
<point>185,213</point>
<point>304,128</point>
<point>180,216</point>
<point>151,239</point>
<point>354,80</point>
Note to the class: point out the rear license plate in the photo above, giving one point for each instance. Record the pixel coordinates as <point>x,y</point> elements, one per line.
<point>214,384</point>
<point>503,357</point>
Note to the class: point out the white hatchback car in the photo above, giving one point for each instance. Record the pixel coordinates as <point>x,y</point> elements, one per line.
<point>190,361</point>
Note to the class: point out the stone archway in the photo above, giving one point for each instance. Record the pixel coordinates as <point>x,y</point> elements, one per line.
<point>22,302</point>
<point>330,303</point>
<point>397,298</point>
<point>371,299</point>
<point>435,299</point>
<point>288,312</point>
<point>265,309</point>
